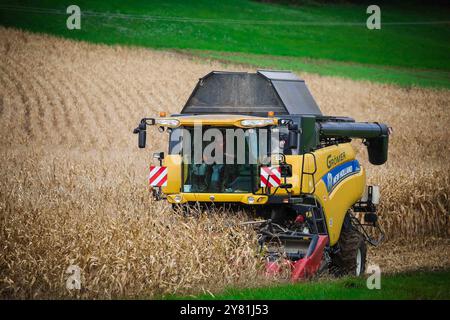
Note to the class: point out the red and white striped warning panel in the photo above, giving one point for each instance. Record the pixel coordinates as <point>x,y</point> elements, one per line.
<point>270,177</point>
<point>158,176</point>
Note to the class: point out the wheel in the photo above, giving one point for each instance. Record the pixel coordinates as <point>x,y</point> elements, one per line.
<point>350,258</point>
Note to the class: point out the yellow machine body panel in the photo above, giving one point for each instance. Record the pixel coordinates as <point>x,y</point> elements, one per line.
<point>219,197</point>
<point>173,164</point>
<point>338,163</point>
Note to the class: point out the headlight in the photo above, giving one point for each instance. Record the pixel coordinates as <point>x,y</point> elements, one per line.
<point>177,198</point>
<point>167,122</point>
<point>257,122</point>
<point>251,200</point>
<point>278,157</point>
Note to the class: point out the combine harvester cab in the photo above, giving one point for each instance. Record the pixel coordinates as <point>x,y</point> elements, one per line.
<point>297,168</point>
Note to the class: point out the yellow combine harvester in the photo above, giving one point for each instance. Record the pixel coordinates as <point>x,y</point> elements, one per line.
<point>259,141</point>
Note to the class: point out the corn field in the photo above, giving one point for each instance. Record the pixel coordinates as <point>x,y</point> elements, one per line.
<point>73,187</point>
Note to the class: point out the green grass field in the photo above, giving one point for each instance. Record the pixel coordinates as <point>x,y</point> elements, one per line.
<point>421,285</point>
<point>324,39</point>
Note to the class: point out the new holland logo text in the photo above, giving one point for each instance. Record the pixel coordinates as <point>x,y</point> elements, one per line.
<point>337,174</point>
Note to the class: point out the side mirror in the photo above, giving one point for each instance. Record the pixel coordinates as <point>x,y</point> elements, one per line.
<point>141,130</point>
<point>378,149</point>
<point>293,137</point>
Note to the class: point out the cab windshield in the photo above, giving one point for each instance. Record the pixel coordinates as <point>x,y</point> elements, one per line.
<point>224,161</point>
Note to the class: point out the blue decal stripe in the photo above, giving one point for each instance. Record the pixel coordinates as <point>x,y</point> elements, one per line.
<point>333,177</point>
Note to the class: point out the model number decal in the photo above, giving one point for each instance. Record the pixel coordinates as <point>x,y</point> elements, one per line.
<point>333,160</point>
<point>337,174</point>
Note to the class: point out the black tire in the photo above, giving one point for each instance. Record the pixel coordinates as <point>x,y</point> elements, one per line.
<point>350,258</point>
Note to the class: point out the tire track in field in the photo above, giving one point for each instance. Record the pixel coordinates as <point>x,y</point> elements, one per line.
<point>42,96</point>
<point>59,85</point>
<point>8,101</point>
<point>87,119</point>
<point>97,102</point>
<point>74,111</point>
<point>91,103</point>
<point>123,104</point>
<point>121,79</point>
<point>133,92</point>
<point>136,87</point>
<point>108,106</point>
<point>67,101</point>
<point>92,118</point>
<point>117,94</point>
<point>147,97</point>
<point>12,94</point>
<point>24,106</point>
<point>96,107</point>
<point>129,78</point>
<point>73,108</point>
<point>56,101</point>
<point>121,82</point>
